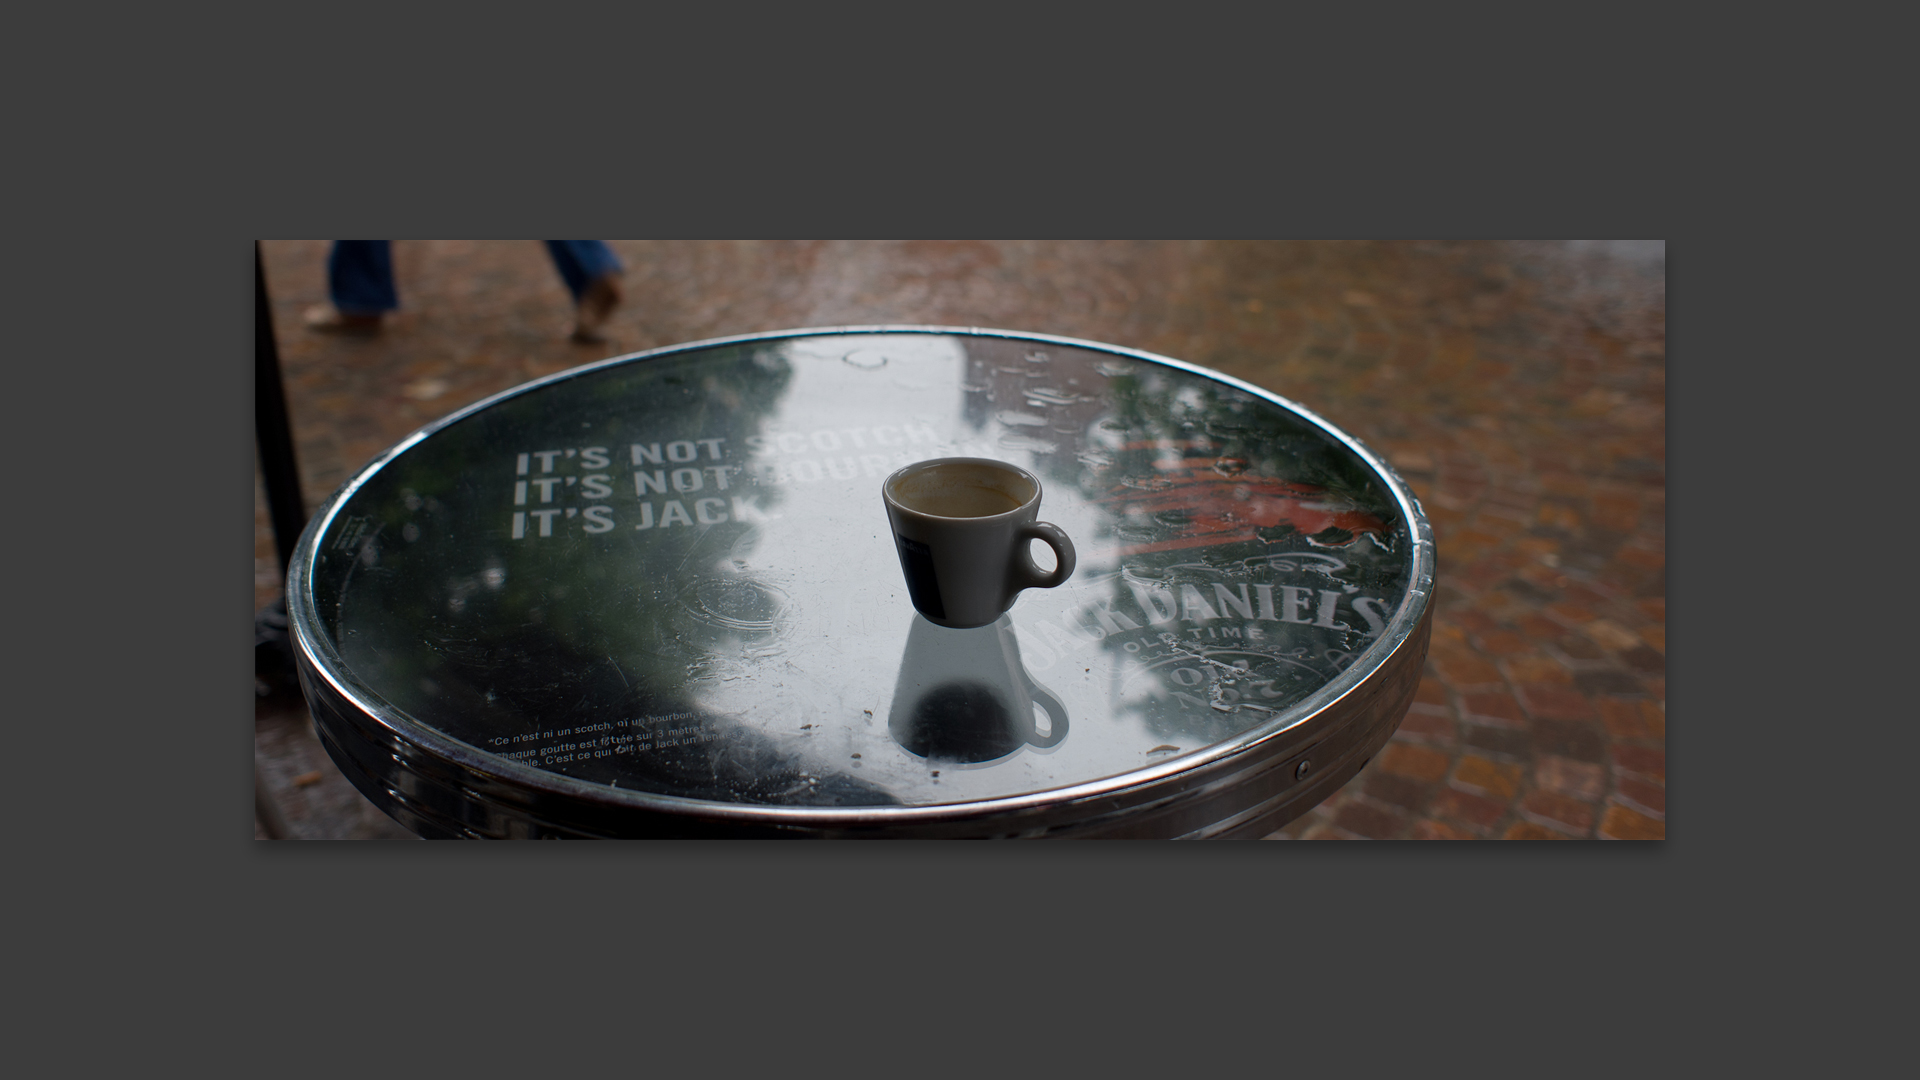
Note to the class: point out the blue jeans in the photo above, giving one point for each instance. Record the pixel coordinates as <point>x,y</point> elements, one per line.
<point>360,272</point>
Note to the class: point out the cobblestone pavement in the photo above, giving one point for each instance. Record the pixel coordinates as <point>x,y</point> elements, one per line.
<point>1519,387</point>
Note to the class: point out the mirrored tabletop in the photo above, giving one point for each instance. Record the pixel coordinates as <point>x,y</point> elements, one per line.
<point>666,583</point>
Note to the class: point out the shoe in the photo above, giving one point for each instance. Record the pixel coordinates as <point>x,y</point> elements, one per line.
<point>596,304</point>
<point>329,320</point>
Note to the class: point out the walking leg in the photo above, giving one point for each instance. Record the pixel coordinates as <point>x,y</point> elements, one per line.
<point>360,281</point>
<point>592,274</point>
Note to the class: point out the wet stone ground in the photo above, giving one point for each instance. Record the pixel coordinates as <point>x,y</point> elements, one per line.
<point>1519,387</point>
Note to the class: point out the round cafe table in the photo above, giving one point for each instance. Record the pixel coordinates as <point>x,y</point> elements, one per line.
<point>657,596</point>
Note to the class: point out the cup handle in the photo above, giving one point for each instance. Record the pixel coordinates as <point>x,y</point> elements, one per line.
<point>1031,576</point>
<point>1056,716</point>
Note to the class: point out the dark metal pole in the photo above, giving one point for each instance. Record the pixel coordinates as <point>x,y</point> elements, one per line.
<point>272,433</point>
<point>265,810</point>
<point>273,663</point>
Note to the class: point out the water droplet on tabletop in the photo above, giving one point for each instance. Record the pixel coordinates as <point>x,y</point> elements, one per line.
<point>1019,419</point>
<point>1046,395</point>
<point>1022,442</point>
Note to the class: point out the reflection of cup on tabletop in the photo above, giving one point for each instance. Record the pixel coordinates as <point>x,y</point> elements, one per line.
<point>963,527</point>
<point>963,696</point>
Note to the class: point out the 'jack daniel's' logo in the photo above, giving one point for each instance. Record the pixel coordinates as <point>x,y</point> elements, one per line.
<point>1212,648</point>
<point>1201,601</point>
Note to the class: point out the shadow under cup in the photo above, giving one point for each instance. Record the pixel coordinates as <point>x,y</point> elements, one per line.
<point>972,721</point>
<point>965,697</point>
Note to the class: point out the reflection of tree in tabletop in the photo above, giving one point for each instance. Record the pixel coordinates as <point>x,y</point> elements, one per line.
<point>488,637</point>
<point>1243,536</point>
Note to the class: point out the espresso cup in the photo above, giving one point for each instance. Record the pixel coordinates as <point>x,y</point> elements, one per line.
<point>963,526</point>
